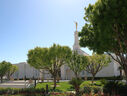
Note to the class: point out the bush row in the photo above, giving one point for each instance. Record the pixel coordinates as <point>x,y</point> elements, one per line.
<point>91,89</point>
<point>88,78</point>
<point>106,78</point>
<point>13,91</point>
<point>115,88</point>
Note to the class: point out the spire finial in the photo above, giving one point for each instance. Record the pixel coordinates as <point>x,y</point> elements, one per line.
<point>76,25</point>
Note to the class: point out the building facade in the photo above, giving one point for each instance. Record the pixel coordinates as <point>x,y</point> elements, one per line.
<point>25,71</point>
<point>108,71</point>
<point>66,74</point>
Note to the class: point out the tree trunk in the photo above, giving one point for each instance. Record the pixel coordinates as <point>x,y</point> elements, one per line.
<point>93,79</point>
<point>8,77</point>
<point>77,90</point>
<point>76,75</point>
<point>1,79</point>
<point>85,76</point>
<point>120,73</point>
<point>125,71</point>
<point>58,79</point>
<point>54,83</point>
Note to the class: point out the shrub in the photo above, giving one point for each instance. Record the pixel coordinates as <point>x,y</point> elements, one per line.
<point>103,81</point>
<point>106,78</point>
<point>56,90</point>
<point>76,82</point>
<point>13,91</point>
<point>8,91</point>
<point>87,90</point>
<point>92,89</point>
<point>96,89</point>
<point>85,83</point>
<point>112,87</point>
<point>122,90</point>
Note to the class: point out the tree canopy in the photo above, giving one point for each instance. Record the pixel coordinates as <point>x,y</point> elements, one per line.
<point>96,62</point>
<point>106,25</point>
<point>4,67</point>
<point>11,70</point>
<point>50,59</point>
<point>105,29</point>
<point>77,63</point>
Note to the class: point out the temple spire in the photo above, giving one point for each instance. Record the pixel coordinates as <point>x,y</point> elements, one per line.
<point>76,42</point>
<point>76,25</point>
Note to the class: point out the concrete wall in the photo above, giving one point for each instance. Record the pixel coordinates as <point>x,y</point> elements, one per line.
<point>25,69</point>
<point>108,71</point>
<point>66,74</point>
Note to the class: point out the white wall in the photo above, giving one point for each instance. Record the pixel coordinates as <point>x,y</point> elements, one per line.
<point>108,71</point>
<point>25,69</point>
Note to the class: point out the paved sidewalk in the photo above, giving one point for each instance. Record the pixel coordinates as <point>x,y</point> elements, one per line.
<point>22,83</point>
<point>14,84</point>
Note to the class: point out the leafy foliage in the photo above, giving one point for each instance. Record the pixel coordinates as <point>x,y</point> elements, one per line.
<point>44,58</point>
<point>96,63</point>
<point>76,82</point>
<point>113,87</point>
<point>21,92</point>
<point>105,29</point>
<point>11,70</point>
<point>77,63</point>
<point>50,59</point>
<point>104,18</point>
<point>4,68</point>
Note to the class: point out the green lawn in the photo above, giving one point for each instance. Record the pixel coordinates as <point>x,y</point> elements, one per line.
<point>87,83</point>
<point>65,86</point>
<point>62,86</point>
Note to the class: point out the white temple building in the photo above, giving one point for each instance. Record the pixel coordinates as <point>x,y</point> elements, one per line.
<point>108,71</point>
<point>25,71</point>
<point>66,74</point>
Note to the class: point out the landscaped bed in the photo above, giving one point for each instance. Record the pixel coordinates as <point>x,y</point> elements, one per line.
<point>98,88</point>
<point>65,86</point>
<point>62,89</point>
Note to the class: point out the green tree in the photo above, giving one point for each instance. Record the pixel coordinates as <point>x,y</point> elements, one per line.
<point>77,63</point>
<point>50,59</point>
<point>96,63</point>
<point>11,70</point>
<point>105,29</point>
<point>4,67</point>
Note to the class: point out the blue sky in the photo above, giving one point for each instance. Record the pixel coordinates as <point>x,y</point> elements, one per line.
<point>25,24</point>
